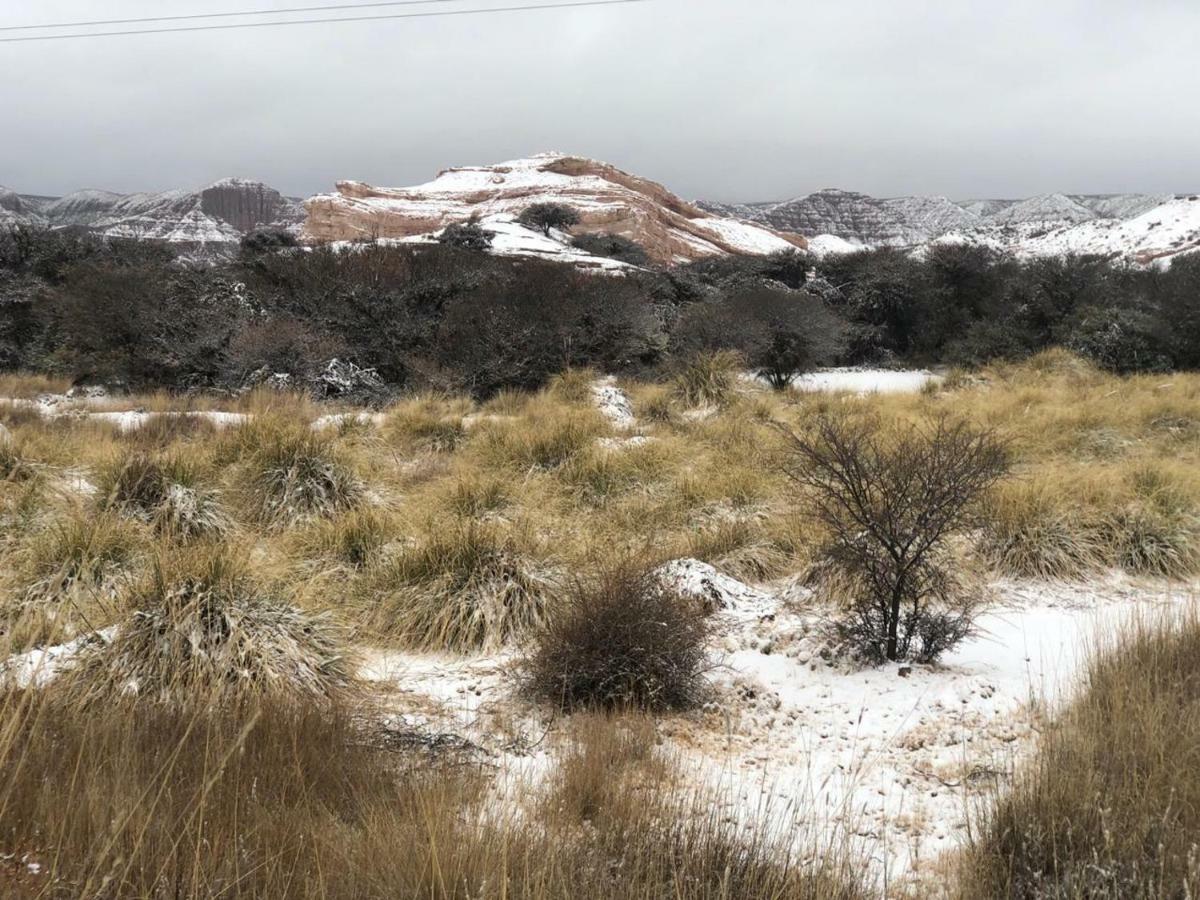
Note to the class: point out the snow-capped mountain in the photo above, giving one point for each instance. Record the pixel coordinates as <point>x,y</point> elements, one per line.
<point>605,198</point>
<point>216,215</point>
<point>1166,230</point>
<point>1141,227</point>
<point>855,217</point>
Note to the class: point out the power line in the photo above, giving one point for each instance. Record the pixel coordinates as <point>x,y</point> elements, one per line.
<point>222,15</point>
<point>426,15</point>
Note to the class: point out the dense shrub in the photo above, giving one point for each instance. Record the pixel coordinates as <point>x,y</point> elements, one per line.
<point>613,246</point>
<point>423,315</point>
<point>518,332</point>
<point>268,240</point>
<point>623,640</point>
<point>467,236</point>
<point>779,333</point>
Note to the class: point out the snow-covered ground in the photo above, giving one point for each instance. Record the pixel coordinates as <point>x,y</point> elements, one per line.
<point>56,406</point>
<point>866,381</point>
<point>893,759</point>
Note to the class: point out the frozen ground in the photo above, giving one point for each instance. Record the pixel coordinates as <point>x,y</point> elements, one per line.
<point>893,759</point>
<point>866,381</point>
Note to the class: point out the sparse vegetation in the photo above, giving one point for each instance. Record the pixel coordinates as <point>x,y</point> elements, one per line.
<point>891,502</point>
<point>485,527</point>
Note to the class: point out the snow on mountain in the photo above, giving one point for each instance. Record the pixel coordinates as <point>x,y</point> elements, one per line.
<point>218,214</point>
<point>605,198</point>
<point>1121,206</point>
<point>856,217</point>
<point>1046,208</point>
<point>18,210</point>
<point>509,238</point>
<point>1141,227</point>
<point>831,245</point>
<point>1167,230</point>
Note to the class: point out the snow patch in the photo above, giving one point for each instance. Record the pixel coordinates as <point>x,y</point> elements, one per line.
<point>866,381</point>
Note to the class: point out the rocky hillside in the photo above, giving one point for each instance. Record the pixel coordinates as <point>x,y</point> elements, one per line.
<point>606,199</point>
<point>216,215</point>
<point>1142,227</point>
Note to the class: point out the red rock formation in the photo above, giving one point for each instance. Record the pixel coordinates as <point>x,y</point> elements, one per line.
<point>606,199</point>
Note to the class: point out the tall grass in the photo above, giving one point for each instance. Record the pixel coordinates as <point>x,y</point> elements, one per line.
<point>279,801</point>
<point>1110,807</point>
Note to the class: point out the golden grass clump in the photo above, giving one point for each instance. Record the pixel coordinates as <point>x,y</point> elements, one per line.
<point>281,802</point>
<point>200,630</point>
<point>291,474</point>
<point>1110,806</point>
<point>65,577</point>
<point>15,466</point>
<point>547,436</point>
<point>166,491</point>
<point>428,423</point>
<point>1034,530</point>
<point>709,379</point>
<point>465,588</point>
<point>355,539</point>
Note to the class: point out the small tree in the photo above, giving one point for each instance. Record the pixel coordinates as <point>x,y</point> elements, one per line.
<point>545,216</point>
<point>890,505</point>
<point>467,236</point>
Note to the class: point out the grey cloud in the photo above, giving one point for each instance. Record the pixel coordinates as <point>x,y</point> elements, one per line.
<point>759,99</point>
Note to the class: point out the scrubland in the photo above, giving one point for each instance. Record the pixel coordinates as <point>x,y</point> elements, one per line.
<point>216,583</point>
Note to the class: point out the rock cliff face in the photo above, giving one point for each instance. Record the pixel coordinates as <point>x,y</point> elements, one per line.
<point>910,221</point>
<point>858,218</point>
<point>606,199</point>
<point>216,215</point>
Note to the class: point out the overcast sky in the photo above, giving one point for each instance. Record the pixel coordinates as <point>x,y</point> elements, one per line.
<point>720,99</point>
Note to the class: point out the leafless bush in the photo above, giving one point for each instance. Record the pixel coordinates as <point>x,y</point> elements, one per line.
<point>890,502</point>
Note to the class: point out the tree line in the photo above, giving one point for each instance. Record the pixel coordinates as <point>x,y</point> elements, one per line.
<point>452,316</point>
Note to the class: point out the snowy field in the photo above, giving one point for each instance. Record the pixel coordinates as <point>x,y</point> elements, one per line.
<point>893,759</point>
<point>862,380</point>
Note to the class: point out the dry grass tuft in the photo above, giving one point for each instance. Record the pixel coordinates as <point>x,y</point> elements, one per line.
<point>292,474</point>
<point>284,802</point>
<point>165,491</point>
<point>430,423</point>
<point>201,631</point>
<point>709,379</point>
<point>355,539</point>
<point>464,589</point>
